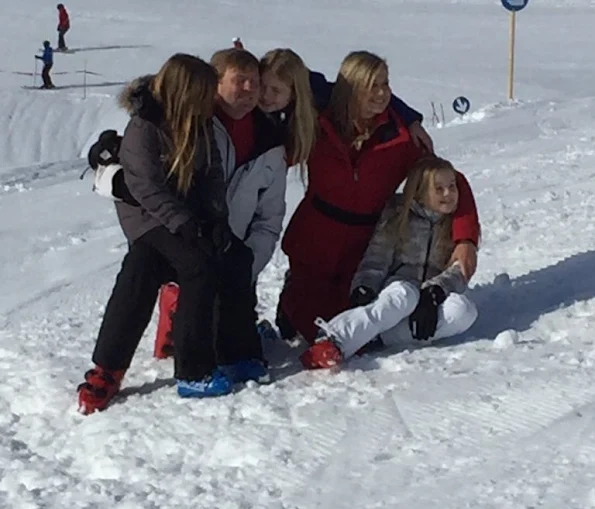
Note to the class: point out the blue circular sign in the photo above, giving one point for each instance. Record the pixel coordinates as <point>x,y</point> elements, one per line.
<point>461,105</point>
<point>514,5</point>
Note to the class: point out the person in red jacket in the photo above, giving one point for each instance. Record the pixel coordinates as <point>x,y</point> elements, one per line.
<point>362,155</point>
<point>63,26</point>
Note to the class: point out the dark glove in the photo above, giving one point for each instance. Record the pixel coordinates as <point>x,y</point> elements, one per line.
<point>362,296</point>
<point>105,150</point>
<point>221,235</point>
<point>424,319</point>
<point>192,235</point>
<point>120,189</point>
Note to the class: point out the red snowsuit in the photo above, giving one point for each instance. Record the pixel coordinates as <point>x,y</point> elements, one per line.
<point>63,20</point>
<point>330,230</point>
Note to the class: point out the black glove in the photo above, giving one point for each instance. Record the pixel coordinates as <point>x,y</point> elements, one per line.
<point>192,235</point>
<point>105,150</point>
<point>362,296</point>
<point>424,319</point>
<point>221,236</point>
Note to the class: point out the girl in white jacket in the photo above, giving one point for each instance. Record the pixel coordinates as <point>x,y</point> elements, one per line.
<point>404,287</point>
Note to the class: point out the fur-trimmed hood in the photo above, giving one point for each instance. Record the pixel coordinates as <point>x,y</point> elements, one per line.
<point>137,99</point>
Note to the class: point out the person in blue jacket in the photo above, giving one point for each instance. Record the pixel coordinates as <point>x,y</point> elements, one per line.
<point>48,61</point>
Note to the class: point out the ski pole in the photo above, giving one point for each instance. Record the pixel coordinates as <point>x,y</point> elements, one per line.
<point>85,80</point>
<point>35,71</point>
<point>82,176</point>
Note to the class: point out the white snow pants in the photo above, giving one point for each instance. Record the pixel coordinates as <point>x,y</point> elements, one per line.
<point>388,316</point>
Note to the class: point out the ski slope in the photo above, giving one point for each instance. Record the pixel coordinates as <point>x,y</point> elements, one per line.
<point>502,418</point>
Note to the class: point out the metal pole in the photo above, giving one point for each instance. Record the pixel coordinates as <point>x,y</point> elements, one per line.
<point>511,35</point>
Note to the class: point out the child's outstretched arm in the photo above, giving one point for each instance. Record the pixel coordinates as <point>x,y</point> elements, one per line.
<point>379,255</point>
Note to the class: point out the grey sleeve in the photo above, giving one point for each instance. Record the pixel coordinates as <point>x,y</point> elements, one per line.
<point>267,224</point>
<point>451,280</point>
<point>378,257</point>
<point>143,173</point>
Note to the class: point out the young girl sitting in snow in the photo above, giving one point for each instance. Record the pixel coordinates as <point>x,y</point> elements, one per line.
<point>404,286</point>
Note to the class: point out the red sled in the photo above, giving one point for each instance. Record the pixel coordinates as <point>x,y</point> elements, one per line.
<point>168,302</point>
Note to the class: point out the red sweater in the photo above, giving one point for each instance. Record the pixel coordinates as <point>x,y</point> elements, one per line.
<point>242,135</point>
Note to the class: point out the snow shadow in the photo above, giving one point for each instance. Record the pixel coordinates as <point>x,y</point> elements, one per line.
<point>57,88</point>
<point>92,85</point>
<point>502,304</point>
<point>283,357</point>
<point>108,47</point>
<point>517,303</point>
<point>144,389</point>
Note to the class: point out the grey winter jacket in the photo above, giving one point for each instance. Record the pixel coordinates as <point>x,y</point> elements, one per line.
<point>255,190</point>
<point>144,147</point>
<point>421,260</point>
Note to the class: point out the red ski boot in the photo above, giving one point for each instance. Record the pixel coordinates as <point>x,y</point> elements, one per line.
<point>168,301</point>
<point>323,354</point>
<point>98,389</point>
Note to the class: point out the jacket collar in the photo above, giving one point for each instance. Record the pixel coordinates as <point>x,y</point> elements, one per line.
<point>387,129</point>
<point>425,213</point>
<point>266,134</point>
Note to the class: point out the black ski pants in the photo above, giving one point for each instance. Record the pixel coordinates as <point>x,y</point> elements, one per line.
<point>238,338</point>
<point>45,76</point>
<point>61,41</point>
<point>129,310</point>
<point>157,257</point>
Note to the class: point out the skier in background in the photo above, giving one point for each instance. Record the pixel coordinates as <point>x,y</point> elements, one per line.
<point>63,26</point>
<point>48,60</point>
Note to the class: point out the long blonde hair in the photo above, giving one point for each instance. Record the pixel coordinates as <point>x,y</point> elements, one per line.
<point>358,71</point>
<point>290,68</point>
<point>420,179</point>
<point>185,88</point>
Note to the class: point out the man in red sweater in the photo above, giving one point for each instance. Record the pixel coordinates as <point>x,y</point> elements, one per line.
<point>63,26</point>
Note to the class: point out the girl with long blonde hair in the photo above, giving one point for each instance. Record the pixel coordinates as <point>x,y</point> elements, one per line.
<point>286,95</point>
<point>176,230</point>
<point>404,285</point>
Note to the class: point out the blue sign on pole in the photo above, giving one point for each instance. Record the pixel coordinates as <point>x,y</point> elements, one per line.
<point>461,105</point>
<point>514,5</point>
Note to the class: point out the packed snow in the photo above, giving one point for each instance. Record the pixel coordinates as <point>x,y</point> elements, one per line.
<point>502,417</point>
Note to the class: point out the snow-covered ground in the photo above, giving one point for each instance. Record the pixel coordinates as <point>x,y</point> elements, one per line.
<point>503,417</point>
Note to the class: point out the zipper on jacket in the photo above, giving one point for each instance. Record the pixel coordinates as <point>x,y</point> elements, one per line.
<point>228,165</point>
<point>355,173</point>
<point>427,260</point>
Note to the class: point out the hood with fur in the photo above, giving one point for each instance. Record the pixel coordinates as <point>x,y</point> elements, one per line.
<point>137,99</point>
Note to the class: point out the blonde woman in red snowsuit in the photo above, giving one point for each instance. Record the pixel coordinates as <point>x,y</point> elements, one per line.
<point>362,155</point>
